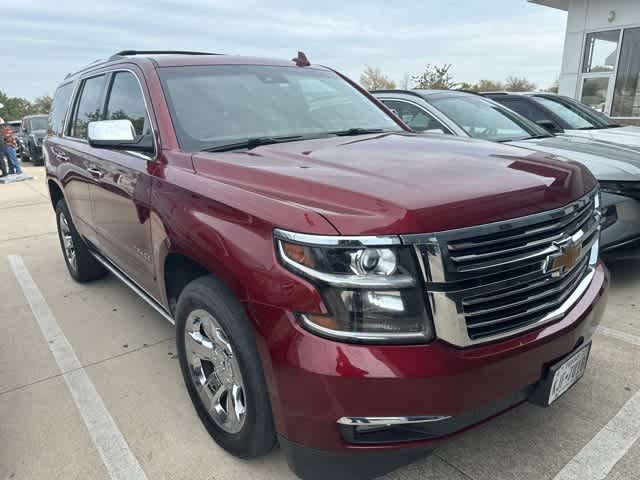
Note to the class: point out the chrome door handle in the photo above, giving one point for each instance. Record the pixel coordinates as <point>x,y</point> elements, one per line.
<point>60,156</point>
<point>95,172</point>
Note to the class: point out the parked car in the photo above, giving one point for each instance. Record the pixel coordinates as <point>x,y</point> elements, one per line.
<point>563,115</point>
<point>15,125</point>
<point>339,284</point>
<point>32,131</point>
<point>469,115</point>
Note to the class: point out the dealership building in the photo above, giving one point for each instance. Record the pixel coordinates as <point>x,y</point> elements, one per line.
<point>601,59</point>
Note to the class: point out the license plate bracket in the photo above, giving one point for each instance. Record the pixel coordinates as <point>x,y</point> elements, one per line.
<point>561,376</point>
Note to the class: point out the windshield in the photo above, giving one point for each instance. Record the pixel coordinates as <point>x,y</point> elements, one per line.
<point>38,123</point>
<point>577,115</point>
<point>485,119</point>
<point>223,104</point>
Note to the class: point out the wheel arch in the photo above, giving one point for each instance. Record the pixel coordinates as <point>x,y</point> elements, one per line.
<point>55,192</point>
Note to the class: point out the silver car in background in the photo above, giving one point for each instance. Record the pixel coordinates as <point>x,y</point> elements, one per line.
<point>617,168</point>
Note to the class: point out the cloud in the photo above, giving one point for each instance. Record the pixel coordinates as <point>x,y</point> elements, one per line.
<point>490,39</point>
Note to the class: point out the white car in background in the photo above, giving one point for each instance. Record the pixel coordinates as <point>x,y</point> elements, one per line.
<point>562,115</point>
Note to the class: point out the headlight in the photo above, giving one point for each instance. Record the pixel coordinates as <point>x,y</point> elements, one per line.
<point>624,188</point>
<point>370,287</point>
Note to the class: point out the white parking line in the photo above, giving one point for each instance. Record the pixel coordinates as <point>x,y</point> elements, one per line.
<point>625,337</point>
<point>119,460</point>
<point>599,456</point>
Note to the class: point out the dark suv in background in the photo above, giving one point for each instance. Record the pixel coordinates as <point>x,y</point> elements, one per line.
<point>339,285</point>
<point>32,131</point>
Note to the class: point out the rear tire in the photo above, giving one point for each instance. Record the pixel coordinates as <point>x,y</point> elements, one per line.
<point>26,153</point>
<point>222,369</point>
<point>80,263</point>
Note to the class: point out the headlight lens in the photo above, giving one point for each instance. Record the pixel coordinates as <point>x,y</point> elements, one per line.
<point>372,293</point>
<point>624,188</point>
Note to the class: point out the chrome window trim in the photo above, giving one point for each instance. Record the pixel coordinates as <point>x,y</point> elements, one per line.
<point>340,241</point>
<point>389,421</point>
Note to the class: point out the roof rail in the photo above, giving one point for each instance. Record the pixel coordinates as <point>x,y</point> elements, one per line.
<point>396,90</point>
<point>89,65</point>
<point>125,53</point>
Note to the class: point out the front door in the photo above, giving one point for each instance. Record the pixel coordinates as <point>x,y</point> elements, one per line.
<point>121,195</point>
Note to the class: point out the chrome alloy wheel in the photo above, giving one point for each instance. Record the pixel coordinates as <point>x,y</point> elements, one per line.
<point>67,242</point>
<point>215,371</point>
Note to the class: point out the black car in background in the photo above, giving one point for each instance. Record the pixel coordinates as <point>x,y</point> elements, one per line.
<point>30,136</point>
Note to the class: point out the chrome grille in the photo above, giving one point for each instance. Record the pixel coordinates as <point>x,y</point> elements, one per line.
<point>496,280</point>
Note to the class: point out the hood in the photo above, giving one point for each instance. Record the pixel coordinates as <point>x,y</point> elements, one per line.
<point>401,183</point>
<point>606,161</point>
<point>38,133</point>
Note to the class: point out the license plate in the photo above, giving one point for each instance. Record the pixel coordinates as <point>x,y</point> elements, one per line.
<point>567,372</point>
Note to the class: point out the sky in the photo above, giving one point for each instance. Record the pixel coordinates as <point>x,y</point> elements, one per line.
<point>482,39</point>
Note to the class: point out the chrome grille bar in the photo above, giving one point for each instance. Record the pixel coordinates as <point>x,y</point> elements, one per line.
<point>488,282</point>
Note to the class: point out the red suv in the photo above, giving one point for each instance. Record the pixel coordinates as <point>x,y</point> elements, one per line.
<point>339,284</point>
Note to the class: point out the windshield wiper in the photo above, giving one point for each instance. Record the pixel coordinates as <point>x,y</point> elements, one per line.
<point>251,143</point>
<point>357,131</point>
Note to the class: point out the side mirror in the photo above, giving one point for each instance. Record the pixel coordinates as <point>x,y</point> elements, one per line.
<point>118,135</point>
<point>549,126</point>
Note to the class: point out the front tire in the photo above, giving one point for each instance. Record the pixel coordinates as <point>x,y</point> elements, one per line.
<point>80,263</point>
<point>33,156</point>
<point>222,369</point>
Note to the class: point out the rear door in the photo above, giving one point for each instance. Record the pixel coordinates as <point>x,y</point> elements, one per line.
<point>122,189</point>
<point>73,156</point>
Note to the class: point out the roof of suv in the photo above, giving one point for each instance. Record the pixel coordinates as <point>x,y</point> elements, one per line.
<point>183,59</point>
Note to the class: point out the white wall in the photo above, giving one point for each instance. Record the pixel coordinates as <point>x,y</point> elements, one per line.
<point>588,15</point>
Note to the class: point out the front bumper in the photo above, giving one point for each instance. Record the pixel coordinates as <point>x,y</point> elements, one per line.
<point>314,382</point>
<point>626,227</point>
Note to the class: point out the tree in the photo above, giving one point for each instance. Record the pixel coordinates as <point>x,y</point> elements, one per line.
<point>435,77</point>
<point>406,79</point>
<point>467,86</point>
<point>519,84</point>
<point>554,88</point>
<point>14,107</point>
<point>42,104</point>
<point>374,79</point>
<point>488,86</point>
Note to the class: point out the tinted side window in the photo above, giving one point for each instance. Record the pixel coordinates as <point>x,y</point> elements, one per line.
<point>414,116</point>
<point>59,108</point>
<point>88,106</point>
<point>524,108</point>
<point>127,103</point>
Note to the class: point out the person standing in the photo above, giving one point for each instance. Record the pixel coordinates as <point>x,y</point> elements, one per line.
<point>10,145</point>
<point>3,165</point>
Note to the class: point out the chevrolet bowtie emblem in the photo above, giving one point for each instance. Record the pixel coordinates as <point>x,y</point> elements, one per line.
<point>565,259</point>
